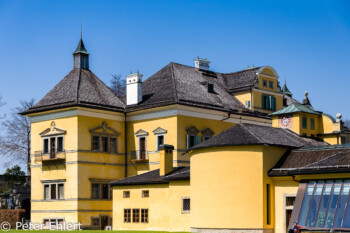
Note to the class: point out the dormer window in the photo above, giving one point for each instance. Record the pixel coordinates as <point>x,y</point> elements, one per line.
<point>192,137</point>
<point>210,88</point>
<point>104,139</point>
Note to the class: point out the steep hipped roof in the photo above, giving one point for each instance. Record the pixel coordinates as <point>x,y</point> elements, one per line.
<point>285,90</point>
<point>153,177</point>
<point>79,88</point>
<point>248,134</point>
<point>181,84</point>
<point>241,80</point>
<point>295,107</point>
<point>314,160</point>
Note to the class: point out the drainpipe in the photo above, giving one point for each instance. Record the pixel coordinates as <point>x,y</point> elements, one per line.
<point>125,146</point>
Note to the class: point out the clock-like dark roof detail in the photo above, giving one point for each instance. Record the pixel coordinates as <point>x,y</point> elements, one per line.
<point>79,88</point>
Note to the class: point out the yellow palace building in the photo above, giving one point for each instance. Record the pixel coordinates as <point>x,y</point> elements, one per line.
<point>187,149</point>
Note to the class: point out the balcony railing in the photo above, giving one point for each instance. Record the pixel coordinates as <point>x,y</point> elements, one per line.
<point>40,156</point>
<point>139,157</point>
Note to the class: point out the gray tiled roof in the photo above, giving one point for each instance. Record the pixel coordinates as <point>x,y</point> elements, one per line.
<point>79,88</point>
<point>314,160</point>
<point>248,134</point>
<point>241,80</point>
<point>153,177</point>
<point>181,84</point>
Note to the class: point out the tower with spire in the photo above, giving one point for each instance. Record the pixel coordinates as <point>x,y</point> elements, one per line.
<point>81,56</point>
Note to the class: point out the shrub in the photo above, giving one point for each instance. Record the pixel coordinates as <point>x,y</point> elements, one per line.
<point>12,216</point>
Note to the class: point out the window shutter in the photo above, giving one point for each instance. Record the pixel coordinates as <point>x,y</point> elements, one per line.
<point>263,102</point>
<point>198,140</point>
<point>188,141</point>
<point>273,103</point>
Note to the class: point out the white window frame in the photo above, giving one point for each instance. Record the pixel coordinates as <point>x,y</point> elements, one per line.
<point>57,191</point>
<point>157,144</point>
<point>139,147</point>
<point>247,103</point>
<point>49,144</point>
<point>182,205</point>
<point>285,207</point>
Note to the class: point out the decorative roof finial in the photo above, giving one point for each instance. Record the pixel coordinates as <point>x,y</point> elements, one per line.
<point>306,100</point>
<point>285,89</point>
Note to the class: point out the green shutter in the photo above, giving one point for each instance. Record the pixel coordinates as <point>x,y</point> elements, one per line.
<point>188,141</point>
<point>197,140</point>
<point>273,103</point>
<point>304,122</point>
<point>263,102</point>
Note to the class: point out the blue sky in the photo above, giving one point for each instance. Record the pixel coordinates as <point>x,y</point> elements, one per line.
<point>307,42</point>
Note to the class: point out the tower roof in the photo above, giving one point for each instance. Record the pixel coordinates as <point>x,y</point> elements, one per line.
<point>79,88</point>
<point>81,48</point>
<point>285,89</point>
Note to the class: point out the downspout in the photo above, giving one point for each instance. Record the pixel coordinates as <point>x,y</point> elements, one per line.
<point>125,146</point>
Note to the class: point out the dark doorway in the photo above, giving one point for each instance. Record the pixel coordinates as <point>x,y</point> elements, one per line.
<point>288,216</point>
<point>104,222</point>
<point>26,206</point>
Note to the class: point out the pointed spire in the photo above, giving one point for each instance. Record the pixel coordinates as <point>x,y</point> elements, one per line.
<point>306,100</point>
<point>81,47</point>
<point>285,89</point>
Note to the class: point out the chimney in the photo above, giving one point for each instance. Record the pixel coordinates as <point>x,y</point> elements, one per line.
<point>134,88</point>
<point>201,64</point>
<point>166,159</point>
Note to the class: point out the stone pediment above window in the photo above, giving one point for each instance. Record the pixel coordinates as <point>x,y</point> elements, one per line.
<point>52,131</point>
<point>192,130</point>
<point>104,129</point>
<point>141,132</point>
<point>207,132</point>
<point>159,130</point>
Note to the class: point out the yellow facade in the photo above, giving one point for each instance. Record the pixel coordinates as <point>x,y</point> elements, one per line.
<point>164,206</point>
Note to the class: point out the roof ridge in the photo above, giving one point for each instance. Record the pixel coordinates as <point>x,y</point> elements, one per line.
<point>174,173</point>
<point>288,134</point>
<point>310,165</point>
<point>244,126</point>
<point>245,70</point>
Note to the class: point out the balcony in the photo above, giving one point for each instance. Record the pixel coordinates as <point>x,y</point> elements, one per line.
<point>50,157</point>
<point>139,157</point>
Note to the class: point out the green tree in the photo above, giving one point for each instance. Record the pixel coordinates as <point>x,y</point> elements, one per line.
<point>15,175</point>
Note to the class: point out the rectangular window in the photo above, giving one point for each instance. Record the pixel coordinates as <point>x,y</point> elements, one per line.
<point>105,191</point>
<point>160,141</point>
<point>126,194</point>
<point>113,144</point>
<point>312,123</point>
<point>144,215</point>
<point>142,147</point>
<point>95,221</point>
<point>53,191</point>
<point>46,146</point>
<point>59,144</point>
<point>268,102</point>
<point>60,191</point>
<point>127,215</point>
<point>210,88</point>
<point>95,143</point>
<point>192,140</point>
<point>247,103</point>
<point>104,144</point>
<point>95,191</point>
<point>135,215</point>
<point>186,205</point>
<point>264,83</point>
<point>145,193</point>
<point>268,204</point>
<point>271,84</point>
<point>304,122</point>
<point>46,191</point>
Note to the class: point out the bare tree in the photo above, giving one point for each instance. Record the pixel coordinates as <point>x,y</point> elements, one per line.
<point>15,144</point>
<point>2,104</point>
<point>347,123</point>
<point>118,85</point>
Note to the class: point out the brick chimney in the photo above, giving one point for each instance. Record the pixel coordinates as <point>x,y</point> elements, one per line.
<point>166,159</point>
